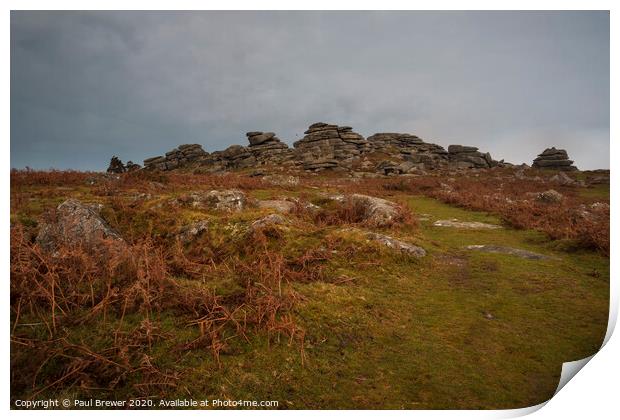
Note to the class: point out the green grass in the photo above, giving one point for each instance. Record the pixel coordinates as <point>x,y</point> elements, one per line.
<point>412,334</point>
<point>598,192</point>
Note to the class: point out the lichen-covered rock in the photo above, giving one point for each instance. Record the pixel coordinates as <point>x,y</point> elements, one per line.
<point>182,156</point>
<point>388,167</point>
<point>281,206</point>
<point>396,244</point>
<point>328,146</point>
<point>410,148</point>
<point>224,200</point>
<point>553,158</point>
<point>389,242</point>
<point>79,225</point>
<point>562,179</point>
<point>282,180</point>
<point>377,211</point>
<point>267,148</point>
<point>465,225</point>
<point>189,233</point>
<point>466,157</point>
<point>270,220</point>
<point>550,196</point>
<point>497,249</point>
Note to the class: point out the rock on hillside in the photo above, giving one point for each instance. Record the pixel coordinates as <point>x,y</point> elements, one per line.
<point>326,146</point>
<point>396,244</point>
<point>181,156</point>
<point>268,149</point>
<point>554,159</point>
<point>78,225</point>
<point>412,149</point>
<point>466,157</point>
<point>377,211</point>
<point>223,200</point>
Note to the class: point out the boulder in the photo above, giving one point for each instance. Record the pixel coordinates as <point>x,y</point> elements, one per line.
<point>270,220</point>
<point>553,158</point>
<point>190,232</point>
<point>260,138</point>
<point>388,167</point>
<point>562,179</point>
<point>267,149</point>
<point>396,244</point>
<point>410,148</point>
<point>328,146</point>
<point>550,196</point>
<point>457,148</point>
<point>79,225</point>
<point>224,200</point>
<point>182,156</point>
<point>377,211</point>
<point>282,180</point>
<point>463,157</point>
<point>281,206</point>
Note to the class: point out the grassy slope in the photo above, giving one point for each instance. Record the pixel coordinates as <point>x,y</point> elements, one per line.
<point>413,334</point>
<point>406,333</point>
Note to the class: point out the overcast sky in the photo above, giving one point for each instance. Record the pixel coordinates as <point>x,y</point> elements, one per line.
<point>89,85</point>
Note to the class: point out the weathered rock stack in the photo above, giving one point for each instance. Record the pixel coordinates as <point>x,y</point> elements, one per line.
<point>233,157</point>
<point>387,142</point>
<point>130,167</point>
<point>339,148</point>
<point>326,146</point>
<point>267,148</point>
<point>554,159</point>
<point>466,157</point>
<point>411,148</point>
<point>181,156</point>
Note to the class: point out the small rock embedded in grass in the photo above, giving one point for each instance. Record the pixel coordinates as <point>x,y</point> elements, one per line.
<point>283,206</point>
<point>190,232</point>
<point>423,217</point>
<point>562,179</point>
<point>465,225</point>
<point>599,206</point>
<point>390,242</point>
<point>377,212</point>
<point>272,219</point>
<point>223,200</point>
<point>401,246</point>
<point>551,196</point>
<point>282,180</point>
<point>496,249</point>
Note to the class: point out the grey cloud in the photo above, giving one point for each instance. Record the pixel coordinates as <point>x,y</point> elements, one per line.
<point>87,85</point>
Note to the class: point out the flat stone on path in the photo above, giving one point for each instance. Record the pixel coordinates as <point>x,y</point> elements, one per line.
<point>388,241</point>
<point>496,249</point>
<point>465,225</point>
<point>401,246</point>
